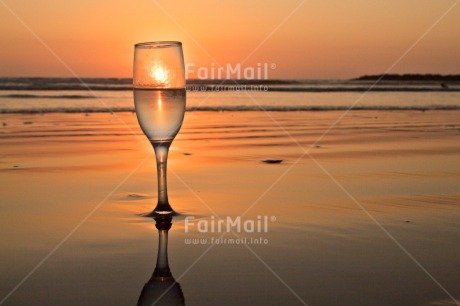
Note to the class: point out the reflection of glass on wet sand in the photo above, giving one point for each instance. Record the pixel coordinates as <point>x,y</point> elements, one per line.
<point>162,288</point>
<point>402,167</point>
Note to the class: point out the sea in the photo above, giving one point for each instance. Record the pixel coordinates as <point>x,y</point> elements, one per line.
<point>67,95</point>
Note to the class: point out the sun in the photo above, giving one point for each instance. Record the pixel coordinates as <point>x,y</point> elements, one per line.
<point>159,74</point>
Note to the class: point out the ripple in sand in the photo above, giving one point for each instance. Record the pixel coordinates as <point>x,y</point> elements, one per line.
<point>138,195</point>
<point>272,161</point>
<point>14,168</point>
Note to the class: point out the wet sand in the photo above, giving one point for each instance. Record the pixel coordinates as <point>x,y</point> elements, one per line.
<point>366,214</point>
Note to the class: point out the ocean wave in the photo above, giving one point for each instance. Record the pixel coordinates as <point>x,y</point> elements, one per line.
<point>32,96</point>
<point>125,84</point>
<point>93,87</point>
<point>263,88</point>
<point>321,108</point>
<point>235,109</point>
<point>242,87</point>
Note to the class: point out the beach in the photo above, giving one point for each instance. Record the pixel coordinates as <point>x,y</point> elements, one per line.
<point>230,153</point>
<point>357,208</point>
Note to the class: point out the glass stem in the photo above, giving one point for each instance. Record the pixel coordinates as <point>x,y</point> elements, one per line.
<point>161,153</point>
<point>163,224</point>
<point>162,257</point>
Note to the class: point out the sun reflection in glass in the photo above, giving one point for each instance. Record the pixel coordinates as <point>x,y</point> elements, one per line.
<point>159,74</point>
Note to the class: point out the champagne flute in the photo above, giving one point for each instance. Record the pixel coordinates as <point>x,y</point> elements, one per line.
<point>159,98</point>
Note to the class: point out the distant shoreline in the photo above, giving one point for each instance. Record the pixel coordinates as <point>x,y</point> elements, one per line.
<point>410,77</point>
<point>379,82</point>
<point>366,77</point>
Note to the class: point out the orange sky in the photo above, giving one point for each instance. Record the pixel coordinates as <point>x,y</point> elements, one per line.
<point>319,39</point>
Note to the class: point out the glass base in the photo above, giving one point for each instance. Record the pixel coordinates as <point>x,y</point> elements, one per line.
<point>162,210</point>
